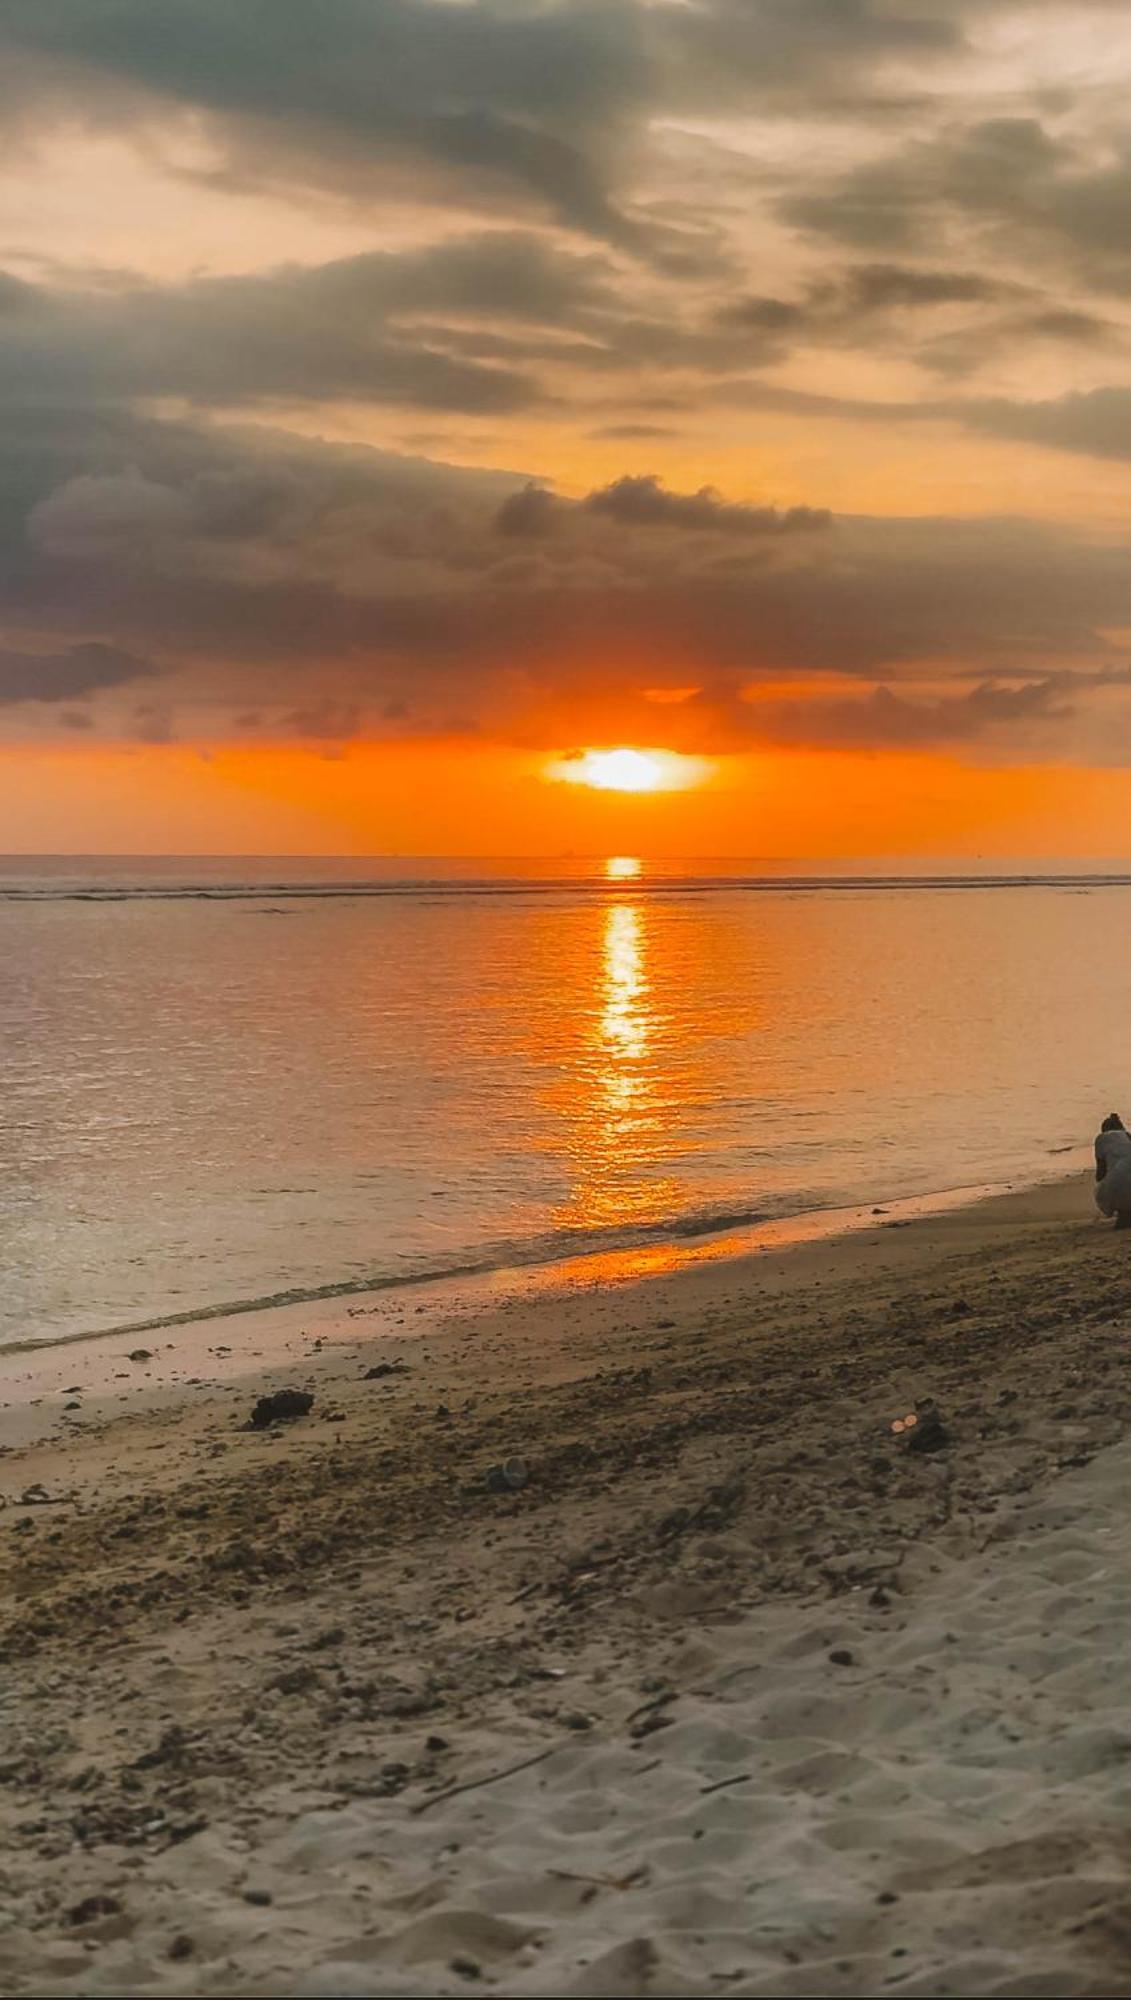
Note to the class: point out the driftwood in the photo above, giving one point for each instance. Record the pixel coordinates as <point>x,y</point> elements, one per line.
<point>476,1784</point>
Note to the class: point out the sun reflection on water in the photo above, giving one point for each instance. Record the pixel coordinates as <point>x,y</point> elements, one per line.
<point>624,1024</point>
<point>617,1113</point>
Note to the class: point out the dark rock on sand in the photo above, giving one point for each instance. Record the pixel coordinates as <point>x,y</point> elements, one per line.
<point>281,1407</point>
<point>929,1434</point>
<point>140,1354</point>
<point>509,1477</point>
<point>384,1368</point>
<point>93,1907</point>
<point>297,1680</point>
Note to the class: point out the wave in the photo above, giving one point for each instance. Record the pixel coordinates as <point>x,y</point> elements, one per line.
<point>555,1247</point>
<point>564,1246</point>
<point>440,890</point>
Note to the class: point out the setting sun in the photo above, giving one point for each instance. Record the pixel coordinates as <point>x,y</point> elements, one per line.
<point>625,770</point>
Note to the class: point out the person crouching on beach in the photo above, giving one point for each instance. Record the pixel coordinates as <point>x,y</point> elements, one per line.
<point>1113,1170</point>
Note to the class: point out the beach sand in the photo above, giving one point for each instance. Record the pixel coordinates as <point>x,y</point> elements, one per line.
<point>798,1709</point>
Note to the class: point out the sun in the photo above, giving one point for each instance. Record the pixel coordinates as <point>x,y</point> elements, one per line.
<point>621,771</point>
<point>626,770</point>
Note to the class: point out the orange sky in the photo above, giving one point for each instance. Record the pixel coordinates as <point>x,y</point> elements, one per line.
<point>760,393</point>
<point>433,798</point>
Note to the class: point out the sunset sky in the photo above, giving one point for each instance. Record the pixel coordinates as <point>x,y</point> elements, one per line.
<point>405,398</point>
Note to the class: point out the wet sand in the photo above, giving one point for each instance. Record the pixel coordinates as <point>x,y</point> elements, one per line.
<point>801,1710</point>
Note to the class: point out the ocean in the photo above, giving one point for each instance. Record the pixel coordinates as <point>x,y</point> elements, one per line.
<point>227,1082</point>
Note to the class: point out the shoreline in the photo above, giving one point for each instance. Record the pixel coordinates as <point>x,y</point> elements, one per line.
<point>297,1663</point>
<point>56,1395</point>
<point>667,1251</point>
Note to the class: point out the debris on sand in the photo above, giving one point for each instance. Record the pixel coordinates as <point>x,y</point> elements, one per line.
<point>280,1408</point>
<point>509,1477</point>
<point>930,1434</point>
<point>922,1431</point>
<point>93,1907</point>
<point>384,1368</point>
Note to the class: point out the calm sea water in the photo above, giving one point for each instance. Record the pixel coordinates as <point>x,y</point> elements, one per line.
<point>227,1081</point>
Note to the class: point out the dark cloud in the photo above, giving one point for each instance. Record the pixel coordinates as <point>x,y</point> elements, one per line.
<point>60,676</point>
<point>502,104</point>
<point>879,288</point>
<point>630,433</point>
<point>605,184</point>
<point>341,330</point>
<point>294,580</point>
<point>530,511</point>
<point>642,501</point>
<point>951,321</point>
<point>1096,423</point>
<point>1029,192</point>
<point>487,324</point>
<point>481,98</point>
<point>883,718</point>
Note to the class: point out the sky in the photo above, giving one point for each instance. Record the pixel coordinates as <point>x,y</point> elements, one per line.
<point>404,399</point>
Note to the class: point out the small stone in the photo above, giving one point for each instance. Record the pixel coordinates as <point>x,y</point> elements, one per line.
<point>261,1898</point>
<point>281,1407</point>
<point>140,1354</point>
<point>182,1946</point>
<point>93,1907</point>
<point>578,1721</point>
<point>468,1968</point>
<point>435,1743</point>
<point>929,1434</point>
<point>298,1680</point>
<point>509,1477</point>
<point>841,1657</point>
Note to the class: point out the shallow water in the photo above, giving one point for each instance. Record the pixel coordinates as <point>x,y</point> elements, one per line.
<point>230,1081</point>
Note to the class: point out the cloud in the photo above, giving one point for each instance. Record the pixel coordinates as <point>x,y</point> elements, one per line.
<point>530,511</point>
<point>1096,422</point>
<point>347,329</point>
<point>295,580</point>
<point>1020,714</point>
<point>61,676</point>
<point>642,501</point>
<point>1029,193</point>
<point>595,215</point>
<point>883,719</point>
<point>480,99</point>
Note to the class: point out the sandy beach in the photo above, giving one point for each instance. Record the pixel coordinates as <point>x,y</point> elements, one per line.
<point>742,1692</point>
